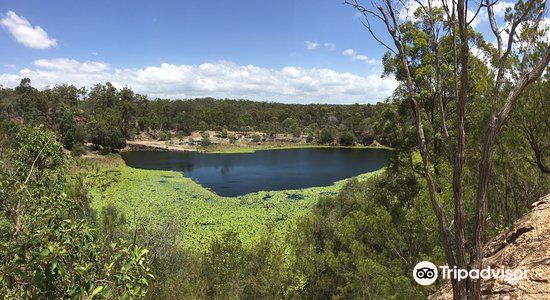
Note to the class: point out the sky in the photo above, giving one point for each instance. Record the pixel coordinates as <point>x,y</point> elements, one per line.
<point>292,51</point>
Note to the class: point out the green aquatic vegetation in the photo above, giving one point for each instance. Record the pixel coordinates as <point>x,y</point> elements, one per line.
<point>152,198</point>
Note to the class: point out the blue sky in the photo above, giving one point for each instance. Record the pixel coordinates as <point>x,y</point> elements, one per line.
<point>290,51</point>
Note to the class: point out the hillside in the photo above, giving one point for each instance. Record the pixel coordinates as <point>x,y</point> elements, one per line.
<point>525,246</point>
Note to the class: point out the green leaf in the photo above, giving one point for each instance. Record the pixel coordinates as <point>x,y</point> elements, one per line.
<point>96,291</point>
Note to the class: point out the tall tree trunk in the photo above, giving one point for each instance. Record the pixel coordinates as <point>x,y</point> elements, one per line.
<point>493,128</point>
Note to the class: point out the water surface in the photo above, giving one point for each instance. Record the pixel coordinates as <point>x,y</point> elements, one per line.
<point>269,170</point>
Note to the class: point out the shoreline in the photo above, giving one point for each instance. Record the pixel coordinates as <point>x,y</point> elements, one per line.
<point>161,195</point>
<point>146,145</point>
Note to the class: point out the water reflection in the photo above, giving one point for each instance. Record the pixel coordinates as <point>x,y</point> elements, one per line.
<point>242,173</point>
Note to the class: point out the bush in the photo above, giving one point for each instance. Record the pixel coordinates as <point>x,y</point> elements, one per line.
<point>71,131</point>
<point>165,135</point>
<point>256,138</point>
<point>328,135</point>
<point>309,139</point>
<point>55,253</point>
<point>233,138</point>
<point>205,141</point>
<point>104,134</point>
<point>347,139</point>
<point>78,149</point>
<point>106,150</point>
<point>224,132</point>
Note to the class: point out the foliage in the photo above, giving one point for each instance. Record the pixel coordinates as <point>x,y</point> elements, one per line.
<point>165,135</point>
<point>328,135</point>
<point>205,139</point>
<point>106,116</point>
<point>228,270</point>
<point>363,242</point>
<point>224,132</point>
<point>256,138</point>
<point>203,215</point>
<point>78,149</point>
<point>48,250</point>
<point>291,125</point>
<point>347,139</point>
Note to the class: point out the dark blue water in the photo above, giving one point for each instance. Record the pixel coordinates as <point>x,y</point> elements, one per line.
<point>243,173</point>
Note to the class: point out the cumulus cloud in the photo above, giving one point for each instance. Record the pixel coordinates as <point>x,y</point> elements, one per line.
<point>353,54</point>
<point>330,46</point>
<point>220,80</point>
<point>24,33</point>
<point>311,45</point>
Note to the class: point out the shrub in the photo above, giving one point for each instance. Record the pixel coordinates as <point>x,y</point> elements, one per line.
<point>347,139</point>
<point>78,149</point>
<point>205,141</point>
<point>165,135</point>
<point>50,251</point>
<point>328,135</point>
<point>256,138</point>
<point>104,134</point>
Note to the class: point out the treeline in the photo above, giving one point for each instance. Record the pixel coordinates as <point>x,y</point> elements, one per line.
<point>107,117</point>
<point>361,243</point>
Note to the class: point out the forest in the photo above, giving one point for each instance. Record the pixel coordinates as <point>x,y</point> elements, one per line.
<point>107,117</point>
<point>469,134</point>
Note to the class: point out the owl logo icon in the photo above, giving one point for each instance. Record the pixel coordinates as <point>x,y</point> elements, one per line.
<point>425,273</point>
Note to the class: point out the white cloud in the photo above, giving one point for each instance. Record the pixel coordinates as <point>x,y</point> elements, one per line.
<point>330,46</point>
<point>410,7</point>
<point>407,11</point>
<point>220,80</point>
<point>95,53</point>
<point>24,33</point>
<point>504,29</point>
<point>349,52</point>
<point>71,65</point>
<point>481,17</point>
<point>500,7</point>
<point>311,45</point>
<point>353,54</point>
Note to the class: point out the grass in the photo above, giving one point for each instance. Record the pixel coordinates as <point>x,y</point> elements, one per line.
<point>253,148</point>
<point>153,198</point>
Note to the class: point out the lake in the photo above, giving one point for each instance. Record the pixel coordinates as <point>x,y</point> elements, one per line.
<point>267,170</point>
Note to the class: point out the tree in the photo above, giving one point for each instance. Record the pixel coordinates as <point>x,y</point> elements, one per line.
<point>71,131</point>
<point>532,118</point>
<point>328,135</point>
<point>48,249</point>
<point>347,139</point>
<point>361,243</point>
<point>291,125</point>
<point>531,54</point>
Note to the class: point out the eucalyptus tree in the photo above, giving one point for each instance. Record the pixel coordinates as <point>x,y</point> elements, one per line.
<point>533,121</point>
<point>519,58</point>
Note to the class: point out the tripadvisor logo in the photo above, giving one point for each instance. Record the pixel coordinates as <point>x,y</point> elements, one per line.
<point>425,273</point>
